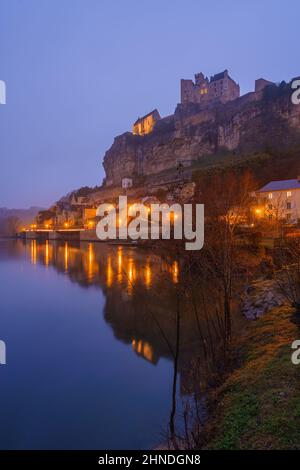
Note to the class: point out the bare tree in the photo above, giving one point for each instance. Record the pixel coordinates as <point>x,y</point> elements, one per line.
<point>288,277</point>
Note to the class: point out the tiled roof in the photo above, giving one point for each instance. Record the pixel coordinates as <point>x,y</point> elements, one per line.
<point>217,76</point>
<point>140,119</point>
<point>280,185</point>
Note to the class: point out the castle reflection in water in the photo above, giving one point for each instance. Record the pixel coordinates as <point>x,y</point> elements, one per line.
<point>139,289</point>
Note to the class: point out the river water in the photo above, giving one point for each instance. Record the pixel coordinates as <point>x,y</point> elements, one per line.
<point>88,364</point>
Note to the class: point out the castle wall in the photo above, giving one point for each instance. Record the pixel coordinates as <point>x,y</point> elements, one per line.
<point>203,91</point>
<point>261,83</point>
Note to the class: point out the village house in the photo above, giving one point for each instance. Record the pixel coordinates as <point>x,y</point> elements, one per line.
<point>145,124</point>
<point>68,218</point>
<point>89,217</point>
<point>279,200</point>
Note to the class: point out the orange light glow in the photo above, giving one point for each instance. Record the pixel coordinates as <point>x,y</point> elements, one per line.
<point>143,348</point>
<point>109,273</point>
<point>131,275</point>
<point>148,275</point>
<point>120,262</point>
<point>33,252</point>
<point>92,264</point>
<point>66,256</point>
<point>47,253</point>
<point>175,272</point>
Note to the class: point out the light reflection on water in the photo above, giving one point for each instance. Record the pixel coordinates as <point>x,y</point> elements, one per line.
<point>119,263</point>
<point>90,347</point>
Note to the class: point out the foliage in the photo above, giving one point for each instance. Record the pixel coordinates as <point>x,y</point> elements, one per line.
<point>258,407</point>
<point>288,278</point>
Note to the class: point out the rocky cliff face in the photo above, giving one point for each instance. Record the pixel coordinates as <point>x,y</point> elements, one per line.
<point>255,121</point>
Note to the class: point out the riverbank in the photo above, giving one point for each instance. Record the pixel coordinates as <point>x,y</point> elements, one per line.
<point>258,405</point>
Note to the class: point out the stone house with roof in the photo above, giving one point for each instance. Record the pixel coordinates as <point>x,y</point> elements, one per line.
<point>279,200</point>
<point>144,125</point>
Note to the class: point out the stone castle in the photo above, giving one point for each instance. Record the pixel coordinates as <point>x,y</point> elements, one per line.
<point>221,87</point>
<point>212,117</point>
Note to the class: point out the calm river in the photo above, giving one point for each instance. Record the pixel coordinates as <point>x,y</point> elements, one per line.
<point>87,364</point>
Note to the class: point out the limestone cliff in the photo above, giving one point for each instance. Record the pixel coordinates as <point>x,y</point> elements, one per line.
<point>253,122</point>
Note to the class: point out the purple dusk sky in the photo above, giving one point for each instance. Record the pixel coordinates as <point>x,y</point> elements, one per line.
<point>79,72</point>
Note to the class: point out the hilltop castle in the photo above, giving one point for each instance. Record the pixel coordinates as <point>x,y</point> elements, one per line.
<point>221,87</point>
<point>212,118</point>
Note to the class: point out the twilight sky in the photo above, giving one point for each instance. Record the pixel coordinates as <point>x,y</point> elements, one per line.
<point>79,72</point>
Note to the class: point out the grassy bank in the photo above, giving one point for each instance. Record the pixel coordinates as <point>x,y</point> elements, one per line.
<point>258,406</point>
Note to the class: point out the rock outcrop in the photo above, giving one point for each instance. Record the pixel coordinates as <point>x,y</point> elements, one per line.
<point>260,297</point>
<point>253,122</point>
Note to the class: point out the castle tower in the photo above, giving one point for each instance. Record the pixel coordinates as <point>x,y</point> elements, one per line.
<point>220,87</point>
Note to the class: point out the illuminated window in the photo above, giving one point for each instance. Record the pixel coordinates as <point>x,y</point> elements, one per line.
<point>288,193</point>
<point>270,195</point>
